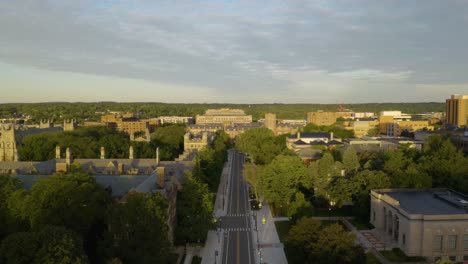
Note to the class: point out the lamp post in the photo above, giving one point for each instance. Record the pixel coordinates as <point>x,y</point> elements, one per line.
<point>332,203</point>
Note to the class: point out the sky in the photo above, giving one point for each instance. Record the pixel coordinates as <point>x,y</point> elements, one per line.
<point>233,51</point>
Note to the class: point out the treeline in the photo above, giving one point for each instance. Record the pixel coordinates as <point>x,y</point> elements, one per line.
<point>92,111</point>
<point>86,142</point>
<point>71,219</point>
<point>195,201</point>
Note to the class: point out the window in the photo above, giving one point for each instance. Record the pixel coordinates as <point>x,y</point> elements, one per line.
<point>451,241</point>
<point>465,258</point>
<point>373,215</point>
<point>437,242</point>
<point>465,242</point>
<point>453,258</point>
<point>403,239</point>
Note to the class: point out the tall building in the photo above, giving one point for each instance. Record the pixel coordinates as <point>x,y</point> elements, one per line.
<point>456,109</point>
<point>270,121</point>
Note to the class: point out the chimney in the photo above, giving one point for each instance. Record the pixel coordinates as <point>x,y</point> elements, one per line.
<point>103,153</point>
<point>130,152</point>
<point>57,152</point>
<point>68,156</point>
<point>157,156</point>
<point>331,136</point>
<point>161,175</point>
<point>298,135</point>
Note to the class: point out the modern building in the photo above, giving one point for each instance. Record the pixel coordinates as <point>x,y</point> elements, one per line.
<point>176,120</point>
<point>457,110</point>
<point>306,138</point>
<point>223,116</point>
<point>361,127</point>
<point>432,223</point>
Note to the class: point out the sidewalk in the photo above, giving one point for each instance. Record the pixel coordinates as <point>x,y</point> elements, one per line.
<point>214,240</point>
<point>267,239</point>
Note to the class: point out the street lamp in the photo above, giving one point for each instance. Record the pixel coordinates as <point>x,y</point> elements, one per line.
<point>332,203</point>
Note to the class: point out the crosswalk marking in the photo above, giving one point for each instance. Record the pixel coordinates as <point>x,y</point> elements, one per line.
<point>237,215</point>
<point>235,229</point>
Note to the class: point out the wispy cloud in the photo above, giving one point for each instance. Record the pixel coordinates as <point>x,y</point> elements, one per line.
<point>286,48</point>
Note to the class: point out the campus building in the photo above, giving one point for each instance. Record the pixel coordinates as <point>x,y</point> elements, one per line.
<point>456,109</point>
<point>432,223</point>
<point>326,118</point>
<point>224,116</point>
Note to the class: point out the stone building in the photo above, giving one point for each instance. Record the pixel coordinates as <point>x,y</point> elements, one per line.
<point>432,223</point>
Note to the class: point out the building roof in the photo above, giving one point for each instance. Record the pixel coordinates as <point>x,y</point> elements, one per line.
<point>299,142</point>
<point>318,143</point>
<point>311,135</point>
<point>309,153</point>
<point>119,184</point>
<point>335,142</point>
<point>429,201</point>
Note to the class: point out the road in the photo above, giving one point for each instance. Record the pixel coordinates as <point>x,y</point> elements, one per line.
<point>237,244</point>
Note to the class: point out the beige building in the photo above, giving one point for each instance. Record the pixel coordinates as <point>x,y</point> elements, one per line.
<point>457,110</point>
<point>281,127</point>
<point>326,118</point>
<point>432,223</point>
<point>225,116</point>
<point>361,128</point>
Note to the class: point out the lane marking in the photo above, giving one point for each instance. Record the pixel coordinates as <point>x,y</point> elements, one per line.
<point>238,248</point>
<point>227,249</point>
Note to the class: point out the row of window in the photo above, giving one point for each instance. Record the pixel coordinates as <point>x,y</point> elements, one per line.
<point>450,244</point>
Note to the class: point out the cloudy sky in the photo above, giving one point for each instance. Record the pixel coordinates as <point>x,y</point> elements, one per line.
<point>233,51</point>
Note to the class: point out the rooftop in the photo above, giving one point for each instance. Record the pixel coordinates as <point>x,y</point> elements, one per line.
<point>428,201</point>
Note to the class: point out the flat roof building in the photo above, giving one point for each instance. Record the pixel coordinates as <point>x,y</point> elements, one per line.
<point>432,223</point>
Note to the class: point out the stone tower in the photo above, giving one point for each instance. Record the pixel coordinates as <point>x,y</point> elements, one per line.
<point>130,152</point>
<point>270,121</point>
<point>8,149</point>
<point>69,125</point>
<point>103,153</point>
<point>46,123</point>
<point>57,152</point>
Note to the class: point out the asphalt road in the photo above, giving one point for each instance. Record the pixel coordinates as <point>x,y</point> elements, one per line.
<point>238,244</point>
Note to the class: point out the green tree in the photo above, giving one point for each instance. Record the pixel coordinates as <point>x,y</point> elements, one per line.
<point>194,211</point>
<point>251,174</point>
<point>351,161</point>
<point>138,232</point>
<point>8,185</point>
<point>170,140</point>
<point>302,236</point>
<point>335,245</point>
<point>281,179</point>
<point>50,245</point>
<point>260,144</point>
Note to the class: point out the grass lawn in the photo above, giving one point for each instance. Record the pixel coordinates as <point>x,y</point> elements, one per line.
<point>371,259</point>
<point>396,255</point>
<point>343,211</point>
